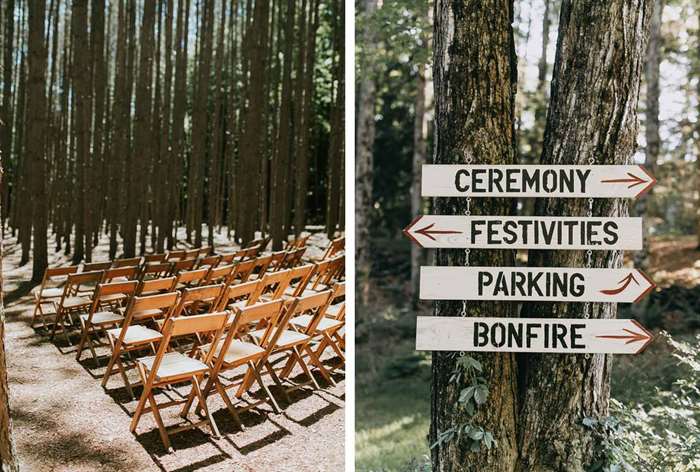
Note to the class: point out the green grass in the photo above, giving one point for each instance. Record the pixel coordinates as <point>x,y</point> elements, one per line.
<point>392,421</point>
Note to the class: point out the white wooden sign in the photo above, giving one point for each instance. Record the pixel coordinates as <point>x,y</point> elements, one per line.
<point>525,232</point>
<point>549,335</point>
<point>557,284</point>
<point>603,181</point>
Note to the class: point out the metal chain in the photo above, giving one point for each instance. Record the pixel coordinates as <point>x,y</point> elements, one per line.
<point>589,256</point>
<point>467,212</point>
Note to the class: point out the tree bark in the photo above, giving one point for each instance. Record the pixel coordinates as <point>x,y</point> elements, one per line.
<point>651,123</point>
<point>420,152</point>
<point>592,115</point>
<point>335,147</point>
<point>36,135</point>
<point>364,147</point>
<point>475,78</point>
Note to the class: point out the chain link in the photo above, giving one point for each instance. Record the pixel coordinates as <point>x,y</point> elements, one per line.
<point>589,256</point>
<point>467,212</point>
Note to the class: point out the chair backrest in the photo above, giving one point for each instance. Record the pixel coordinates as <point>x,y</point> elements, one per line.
<point>206,251</point>
<point>219,275</point>
<point>155,270</point>
<point>275,327</point>
<point>228,258</point>
<point>247,253</point>
<point>329,270</point>
<point>209,261</point>
<point>297,242</point>
<point>261,265</point>
<point>191,254</point>
<point>338,290</point>
<point>192,278</point>
<point>193,298</point>
<point>151,258</point>
<point>317,304</point>
<point>129,272</point>
<point>92,266</point>
<point>182,265</point>
<point>261,242</point>
<point>75,281</point>
<point>166,302</point>
<point>336,246</point>
<point>153,286</point>
<point>57,274</point>
<point>266,313</point>
<point>238,292</point>
<point>277,260</point>
<point>300,277</point>
<point>131,261</point>
<point>294,257</point>
<point>275,282</point>
<point>242,271</point>
<point>175,255</point>
<point>114,288</point>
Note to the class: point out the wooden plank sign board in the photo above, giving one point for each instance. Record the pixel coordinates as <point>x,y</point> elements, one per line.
<point>550,335</point>
<point>557,284</point>
<point>601,181</point>
<point>526,232</point>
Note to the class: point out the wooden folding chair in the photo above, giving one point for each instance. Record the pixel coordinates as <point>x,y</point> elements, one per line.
<point>191,278</point>
<point>328,272</point>
<point>182,265</point>
<point>335,247</point>
<point>246,254</point>
<point>241,272</point>
<point>276,261</point>
<point>272,286</point>
<point>173,256</point>
<point>154,258</point>
<point>206,251</point>
<point>206,297</point>
<point>294,258</point>
<point>308,319</point>
<point>297,243</point>
<point>103,312</point>
<point>156,270</point>
<point>238,295</point>
<point>171,367</point>
<point>326,329</point>
<point>153,287</point>
<point>260,267</point>
<point>191,254</point>
<point>74,300</point>
<point>131,337</point>
<point>226,259</point>
<point>121,274</point>
<point>131,261</point>
<point>49,290</point>
<point>209,262</point>
<point>299,279</point>
<point>93,266</point>
<point>219,275</point>
<point>237,352</point>
<point>262,243</point>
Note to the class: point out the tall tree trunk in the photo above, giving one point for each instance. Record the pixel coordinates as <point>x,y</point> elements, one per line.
<point>6,118</point>
<point>335,147</point>
<point>592,115</point>
<point>252,139</point>
<point>651,126</point>
<point>420,152</point>
<point>475,79</point>
<point>8,455</point>
<point>364,147</point>
<point>36,134</point>
<point>82,92</point>
<point>279,178</point>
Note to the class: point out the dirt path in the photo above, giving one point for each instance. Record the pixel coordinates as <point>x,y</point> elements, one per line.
<point>64,420</point>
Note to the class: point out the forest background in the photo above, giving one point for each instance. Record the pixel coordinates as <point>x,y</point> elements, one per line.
<point>653,402</point>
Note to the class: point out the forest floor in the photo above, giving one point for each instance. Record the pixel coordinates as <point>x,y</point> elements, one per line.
<point>64,421</point>
<point>393,380</point>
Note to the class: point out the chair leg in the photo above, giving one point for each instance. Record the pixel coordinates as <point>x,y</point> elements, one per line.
<point>142,401</point>
<point>317,362</point>
<point>110,365</point>
<point>83,339</point>
<point>259,379</point>
<point>304,367</point>
<point>159,421</point>
<point>229,405</point>
<point>203,403</point>
<point>277,380</point>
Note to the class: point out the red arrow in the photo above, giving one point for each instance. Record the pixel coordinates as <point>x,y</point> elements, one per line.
<point>625,282</point>
<point>633,337</point>
<point>426,231</point>
<point>634,181</point>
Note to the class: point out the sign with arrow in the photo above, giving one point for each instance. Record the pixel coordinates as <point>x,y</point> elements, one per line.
<point>598,181</point>
<point>525,232</point>
<point>548,335</point>
<point>559,284</point>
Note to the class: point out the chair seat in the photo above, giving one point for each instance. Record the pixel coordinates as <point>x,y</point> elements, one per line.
<point>174,364</point>
<point>333,310</point>
<point>113,297</point>
<point>48,292</point>
<point>288,338</point>
<point>239,352</point>
<point>136,334</point>
<point>147,314</point>
<point>325,324</point>
<point>103,317</point>
<point>75,302</point>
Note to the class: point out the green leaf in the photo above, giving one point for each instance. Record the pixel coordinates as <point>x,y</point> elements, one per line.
<point>481,394</point>
<point>488,440</point>
<point>466,394</point>
<point>477,434</point>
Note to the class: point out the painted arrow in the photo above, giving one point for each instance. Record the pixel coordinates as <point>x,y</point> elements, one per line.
<point>563,284</point>
<point>563,181</point>
<point>548,335</point>
<point>532,232</point>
